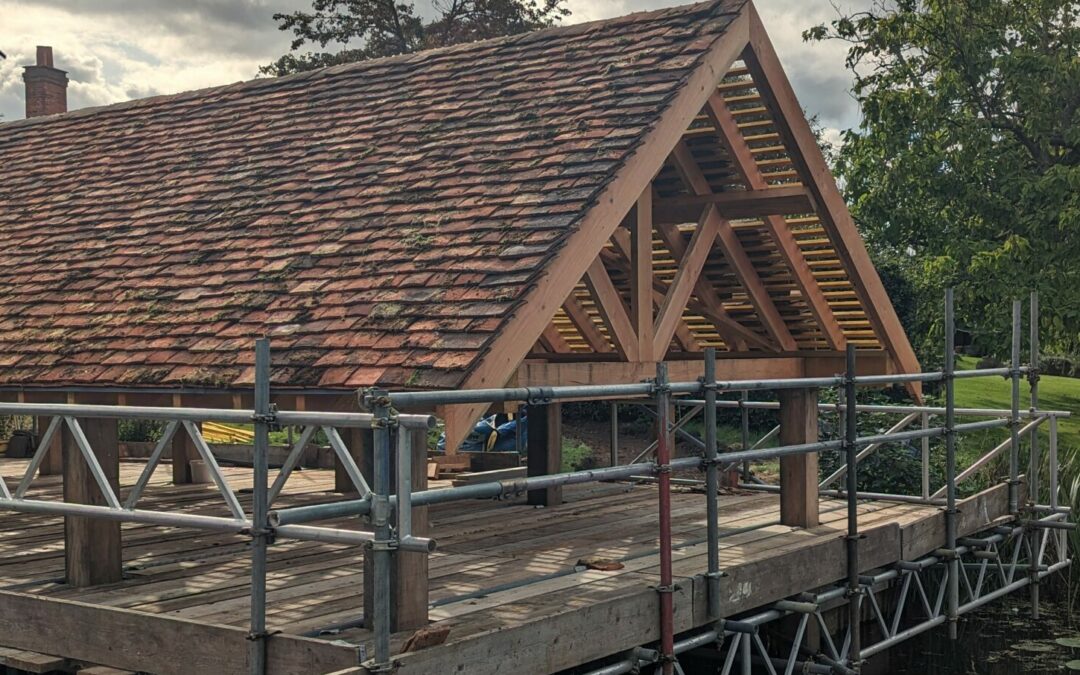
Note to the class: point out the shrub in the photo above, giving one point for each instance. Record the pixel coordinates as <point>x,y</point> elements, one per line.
<point>893,469</point>
<point>1059,365</point>
<point>139,431</point>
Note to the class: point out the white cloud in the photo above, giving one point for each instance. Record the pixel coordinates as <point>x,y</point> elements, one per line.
<point>113,54</point>
<point>115,50</point>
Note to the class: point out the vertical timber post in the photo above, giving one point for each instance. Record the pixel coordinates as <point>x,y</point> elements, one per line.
<point>409,572</point>
<point>406,575</point>
<point>799,473</point>
<point>93,551</point>
<point>545,450</point>
<point>1014,420</point>
<point>260,531</point>
<point>359,443</point>
<point>663,468</point>
<point>53,464</point>
<point>851,450</point>
<point>953,588</point>
<point>712,485</point>
<point>183,450</point>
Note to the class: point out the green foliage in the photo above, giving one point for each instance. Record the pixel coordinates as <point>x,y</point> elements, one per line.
<point>139,431</point>
<point>894,468</point>
<point>965,170</point>
<point>9,425</point>
<point>366,29</point>
<point>576,455</point>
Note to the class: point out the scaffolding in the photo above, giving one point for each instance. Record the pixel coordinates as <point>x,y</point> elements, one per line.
<point>940,585</point>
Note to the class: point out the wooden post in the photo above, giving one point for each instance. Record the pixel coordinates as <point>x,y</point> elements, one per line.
<point>641,277</point>
<point>53,463</point>
<point>183,450</point>
<point>92,547</point>
<point>409,573</point>
<point>359,442</point>
<point>799,473</point>
<point>545,450</point>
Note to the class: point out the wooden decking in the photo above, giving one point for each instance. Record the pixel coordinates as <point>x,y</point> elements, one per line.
<point>505,579</point>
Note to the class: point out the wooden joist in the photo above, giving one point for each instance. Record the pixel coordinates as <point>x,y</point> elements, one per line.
<point>32,662</point>
<point>759,201</point>
<point>161,644</point>
<point>767,72</point>
<point>782,237</point>
<point>733,251</point>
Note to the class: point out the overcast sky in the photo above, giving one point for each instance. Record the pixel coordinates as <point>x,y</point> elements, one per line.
<point>116,50</point>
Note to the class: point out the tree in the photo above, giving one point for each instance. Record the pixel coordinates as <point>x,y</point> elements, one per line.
<point>965,169</point>
<point>366,29</point>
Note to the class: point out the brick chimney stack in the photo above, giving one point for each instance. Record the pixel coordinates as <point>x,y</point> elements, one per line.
<point>46,87</point>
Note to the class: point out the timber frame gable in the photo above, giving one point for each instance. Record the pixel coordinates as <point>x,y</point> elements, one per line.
<point>725,229</point>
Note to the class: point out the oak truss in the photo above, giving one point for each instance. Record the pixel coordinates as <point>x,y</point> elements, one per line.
<point>725,230</point>
<point>741,241</point>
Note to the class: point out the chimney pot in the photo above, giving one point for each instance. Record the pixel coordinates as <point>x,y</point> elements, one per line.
<point>46,86</point>
<point>44,56</point>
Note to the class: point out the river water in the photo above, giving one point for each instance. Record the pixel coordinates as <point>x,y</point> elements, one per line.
<point>1000,639</point>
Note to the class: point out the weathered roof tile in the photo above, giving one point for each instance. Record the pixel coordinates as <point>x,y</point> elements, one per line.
<point>381,221</point>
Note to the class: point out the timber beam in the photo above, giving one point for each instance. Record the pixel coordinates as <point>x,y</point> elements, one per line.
<point>729,242</point>
<point>587,369</point>
<point>752,203</point>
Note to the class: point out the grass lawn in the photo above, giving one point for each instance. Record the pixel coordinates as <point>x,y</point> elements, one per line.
<point>1055,393</point>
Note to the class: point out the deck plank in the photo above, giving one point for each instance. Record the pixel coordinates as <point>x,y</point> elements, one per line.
<point>504,579</point>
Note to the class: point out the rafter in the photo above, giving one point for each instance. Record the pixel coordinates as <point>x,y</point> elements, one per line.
<point>728,130</point>
<point>733,251</point>
<point>553,341</point>
<point>612,310</point>
<point>705,301</point>
<point>776,91</point>
<point>511,345</point>
<point>684,337</point>
<point>686,278</point>
<point>585,325</point>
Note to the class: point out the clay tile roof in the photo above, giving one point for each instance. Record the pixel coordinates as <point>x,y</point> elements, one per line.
<point>379,221</point>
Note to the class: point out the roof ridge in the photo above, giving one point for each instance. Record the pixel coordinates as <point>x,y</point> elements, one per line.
<point>418,56</point>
